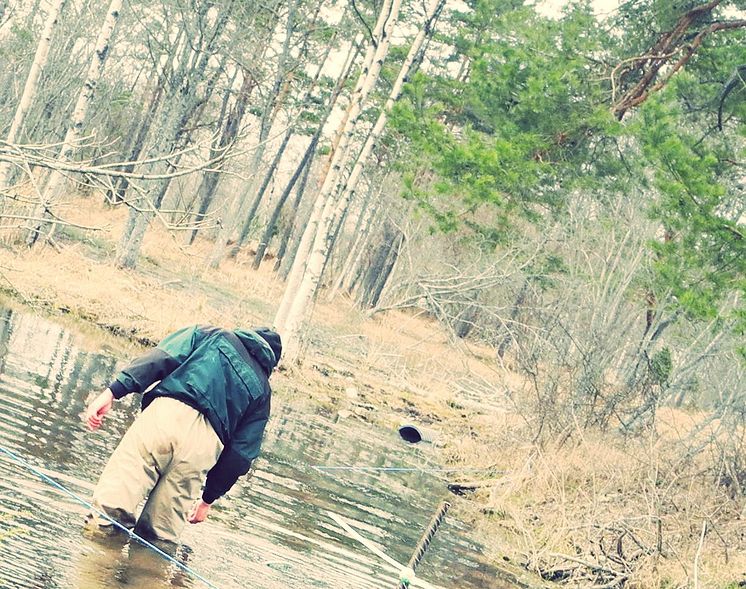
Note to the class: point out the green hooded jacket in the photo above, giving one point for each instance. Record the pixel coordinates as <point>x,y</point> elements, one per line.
<point>223,374</point>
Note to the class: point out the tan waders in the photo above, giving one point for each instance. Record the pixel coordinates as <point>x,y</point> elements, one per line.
<point>164,456</point>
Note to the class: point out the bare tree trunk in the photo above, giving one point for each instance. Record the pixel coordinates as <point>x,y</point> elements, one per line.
<point>337,225</point>
<point>251,213</point>
<point>288,319</point>
<point>382,264</point>
<point>334,97</point>
<point>120,190</point>
<point>320,249</point>
<point>60,84</point>
<point>80,113</point>
<point>268,116</point>
<point>32,83</point>
<point>273,167</point>
<point>211,179</point>
<point>360,235</point>
<point>358,266</point>
<point>348,190</point>
<point>188,108</point>
<point>292,228</point>
<point>173,78</point>
<point>270,228</point>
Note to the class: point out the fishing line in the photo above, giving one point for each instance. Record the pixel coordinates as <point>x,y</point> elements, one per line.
<point>318,467</point>
<point>85,503</point>
<point>401,469</point>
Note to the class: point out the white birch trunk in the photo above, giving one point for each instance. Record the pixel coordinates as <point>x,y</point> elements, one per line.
<point>80,112</point>
<point>320,248</point>
<point>184,101</point>
<point>85,98</point>
<point>406,69</point>
<point>358,245</point>
<point>297,268</point>
<point>316,259</point>
<point>371,68</point>
<point>32,83</point>
<point>286,249</point>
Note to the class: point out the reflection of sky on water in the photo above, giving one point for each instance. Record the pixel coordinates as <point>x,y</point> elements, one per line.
<point>270,531</point>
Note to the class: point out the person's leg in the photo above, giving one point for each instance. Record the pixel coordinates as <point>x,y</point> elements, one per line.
<point>131,472</point>
<point>97,560</point>
<point>144,567</point>
<point>196,450</point>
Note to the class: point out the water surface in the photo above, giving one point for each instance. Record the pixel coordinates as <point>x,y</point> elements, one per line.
<point>273,530</point>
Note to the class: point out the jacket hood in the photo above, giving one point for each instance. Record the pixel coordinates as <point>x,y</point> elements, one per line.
<point>263,344</point>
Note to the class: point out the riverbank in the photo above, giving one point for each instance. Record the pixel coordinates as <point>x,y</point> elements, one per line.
<point>399,364</point>
<point>635,512</point>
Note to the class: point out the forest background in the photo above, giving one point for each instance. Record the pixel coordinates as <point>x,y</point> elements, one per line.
<point>537,212</point>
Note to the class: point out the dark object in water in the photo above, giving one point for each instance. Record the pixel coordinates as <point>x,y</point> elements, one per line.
<point>410,433</point>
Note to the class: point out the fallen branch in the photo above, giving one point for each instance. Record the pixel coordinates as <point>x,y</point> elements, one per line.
<point>459,488</point>
<point>699,553</point>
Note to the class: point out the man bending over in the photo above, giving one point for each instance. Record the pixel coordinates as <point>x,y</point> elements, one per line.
<point>205,403</point>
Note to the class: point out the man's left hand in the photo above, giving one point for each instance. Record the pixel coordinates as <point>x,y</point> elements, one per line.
<point>198,512</point>
<point>100,406</point>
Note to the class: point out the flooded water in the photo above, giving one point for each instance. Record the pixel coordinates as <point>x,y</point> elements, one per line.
<point>279,529</point>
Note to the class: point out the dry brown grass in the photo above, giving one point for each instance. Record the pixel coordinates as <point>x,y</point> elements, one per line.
<point>602,508</point>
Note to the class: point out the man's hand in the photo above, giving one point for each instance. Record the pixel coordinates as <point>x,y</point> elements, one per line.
<point>99,407</point>
<point>198,512</point>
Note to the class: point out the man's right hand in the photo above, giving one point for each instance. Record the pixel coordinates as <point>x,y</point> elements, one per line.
<point>199,511</point>
<point>100,406</point>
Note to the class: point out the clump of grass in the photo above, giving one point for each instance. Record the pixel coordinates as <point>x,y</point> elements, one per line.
<point>599,510</point>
